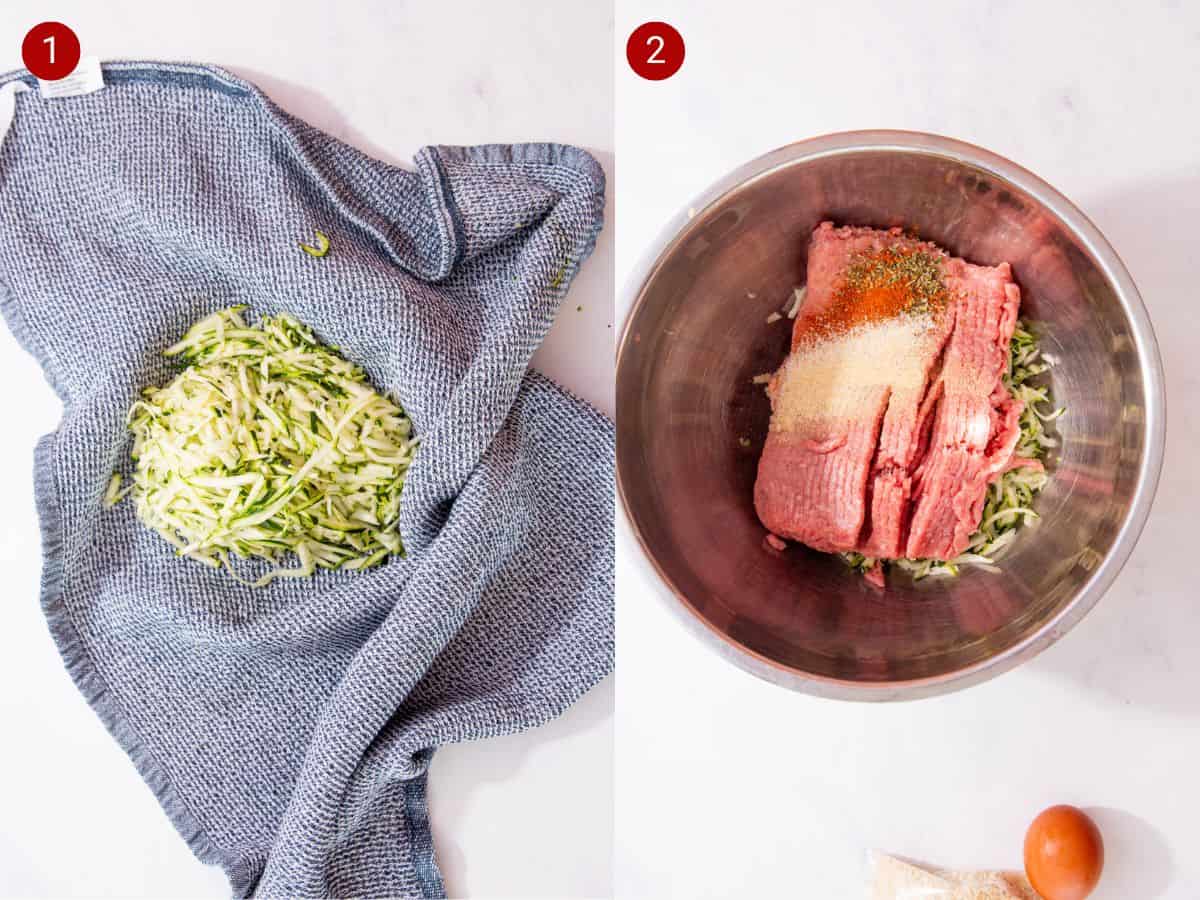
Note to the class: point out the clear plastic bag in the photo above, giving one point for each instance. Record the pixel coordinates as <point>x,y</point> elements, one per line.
<point>898,879</point>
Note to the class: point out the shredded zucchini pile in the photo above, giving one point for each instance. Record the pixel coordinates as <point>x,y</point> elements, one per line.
<point>1009,501</point>
<point>269,444</point>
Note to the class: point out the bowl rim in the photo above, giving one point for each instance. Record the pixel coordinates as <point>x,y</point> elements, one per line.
<point>1149,357</point>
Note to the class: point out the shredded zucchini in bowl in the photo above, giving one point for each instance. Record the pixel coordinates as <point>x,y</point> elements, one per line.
<point>1009,501</point>
<point>269,445</point>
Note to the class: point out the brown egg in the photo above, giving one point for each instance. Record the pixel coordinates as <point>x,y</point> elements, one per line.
<point>1064,854</point>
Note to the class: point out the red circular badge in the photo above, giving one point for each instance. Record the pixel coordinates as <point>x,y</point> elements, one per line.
<point>655,50</point>
<point>50,51</point>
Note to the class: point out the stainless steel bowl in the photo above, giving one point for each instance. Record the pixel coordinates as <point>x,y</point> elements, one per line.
<point>696,334</point>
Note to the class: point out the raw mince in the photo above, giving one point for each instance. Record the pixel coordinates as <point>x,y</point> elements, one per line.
<point>1009,502</point>
<point>271,446</point>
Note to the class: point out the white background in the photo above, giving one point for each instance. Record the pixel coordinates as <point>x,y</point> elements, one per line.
<point>529,815</point>
<point>729,787</point>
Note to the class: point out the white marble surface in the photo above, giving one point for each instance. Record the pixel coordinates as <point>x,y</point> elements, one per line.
<point>528,815</point>
<point>729,787</point>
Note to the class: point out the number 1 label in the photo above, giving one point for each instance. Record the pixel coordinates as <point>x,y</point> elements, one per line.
<point>50,51</point>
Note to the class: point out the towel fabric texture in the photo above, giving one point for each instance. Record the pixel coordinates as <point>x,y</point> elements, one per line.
<point>287,730</point>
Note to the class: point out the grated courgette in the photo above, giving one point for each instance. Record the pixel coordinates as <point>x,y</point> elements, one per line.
<point>269,444</point>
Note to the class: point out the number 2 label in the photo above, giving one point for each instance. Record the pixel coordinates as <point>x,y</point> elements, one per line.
<point>655,51</point>
<point>653,59</point>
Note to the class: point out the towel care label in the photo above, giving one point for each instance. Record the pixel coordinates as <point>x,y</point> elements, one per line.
<point>86,79</point>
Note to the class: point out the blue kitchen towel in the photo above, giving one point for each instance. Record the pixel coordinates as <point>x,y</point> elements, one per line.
<point>287,730</point>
